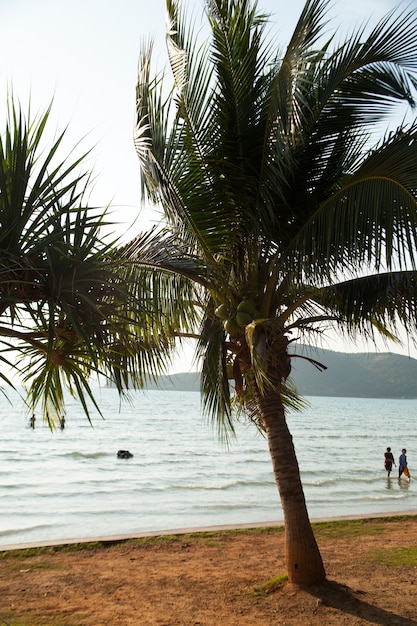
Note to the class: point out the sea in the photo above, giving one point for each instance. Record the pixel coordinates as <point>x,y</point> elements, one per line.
<point>64,485</point>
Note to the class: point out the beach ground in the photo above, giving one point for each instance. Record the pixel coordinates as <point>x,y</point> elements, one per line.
<point>213,578</point>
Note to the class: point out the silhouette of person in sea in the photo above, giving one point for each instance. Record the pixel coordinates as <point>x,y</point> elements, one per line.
<point>402,463</point>
<point>32,421</point>
<point>388,461</point>
<point>62,423</point>
<point>124,454</point>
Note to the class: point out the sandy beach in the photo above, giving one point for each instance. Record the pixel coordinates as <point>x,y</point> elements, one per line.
<point>216,577</point>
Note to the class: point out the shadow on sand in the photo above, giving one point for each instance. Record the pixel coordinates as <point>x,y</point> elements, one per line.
<point>345,600</point>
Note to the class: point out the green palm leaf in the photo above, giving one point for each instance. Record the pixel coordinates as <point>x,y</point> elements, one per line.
<point>73,304</point>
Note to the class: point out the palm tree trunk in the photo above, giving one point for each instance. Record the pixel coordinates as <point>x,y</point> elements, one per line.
<point>302,556</point>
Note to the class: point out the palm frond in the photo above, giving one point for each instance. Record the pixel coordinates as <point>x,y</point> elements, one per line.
<point>371,220</point>
<point>378,304</point>
<point>71,304</point>
<point>214,379</point>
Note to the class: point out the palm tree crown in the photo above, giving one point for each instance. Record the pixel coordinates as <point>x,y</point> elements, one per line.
<point>264,169</point>
<point>70,306</point>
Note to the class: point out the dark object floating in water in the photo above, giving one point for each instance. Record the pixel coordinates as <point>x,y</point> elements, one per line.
<point>124,454</point>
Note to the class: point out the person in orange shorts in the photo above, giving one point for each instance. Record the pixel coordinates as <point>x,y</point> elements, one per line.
<point>402,464</point>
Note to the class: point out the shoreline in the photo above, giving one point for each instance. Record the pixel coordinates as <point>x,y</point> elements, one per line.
<point>120,538</point>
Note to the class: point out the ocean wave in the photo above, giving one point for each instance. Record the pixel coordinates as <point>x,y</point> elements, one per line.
<point>339,479</point>
<point>378,497</point>
<point>234,484</point>
<point>87,455</point>
<point>239,506</point>
<point>17,531</point>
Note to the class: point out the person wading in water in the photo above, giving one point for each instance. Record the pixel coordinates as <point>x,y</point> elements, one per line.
<point>388,461</point>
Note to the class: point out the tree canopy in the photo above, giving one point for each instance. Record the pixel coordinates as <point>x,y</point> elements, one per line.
<point>70,306</point>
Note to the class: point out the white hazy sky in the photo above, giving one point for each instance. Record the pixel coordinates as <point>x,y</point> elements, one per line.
<point>84,53</point>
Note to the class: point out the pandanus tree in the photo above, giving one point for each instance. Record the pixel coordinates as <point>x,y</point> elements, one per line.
<point>70,307</point>
<point>284,211</point>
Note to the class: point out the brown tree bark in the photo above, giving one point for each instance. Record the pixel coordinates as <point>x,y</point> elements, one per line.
<point>302,555</point>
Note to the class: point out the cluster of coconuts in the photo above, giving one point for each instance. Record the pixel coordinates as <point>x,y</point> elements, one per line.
<point>234,323</point>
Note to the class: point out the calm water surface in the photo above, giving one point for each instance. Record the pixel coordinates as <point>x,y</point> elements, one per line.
<point>69,484</point>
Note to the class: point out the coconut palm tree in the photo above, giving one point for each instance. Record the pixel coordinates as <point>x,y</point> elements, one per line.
<point>289,216</point>
<point>66,312</point>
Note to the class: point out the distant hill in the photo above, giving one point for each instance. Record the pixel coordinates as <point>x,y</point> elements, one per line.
<point>356,375</point>
<point>188,381</point>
